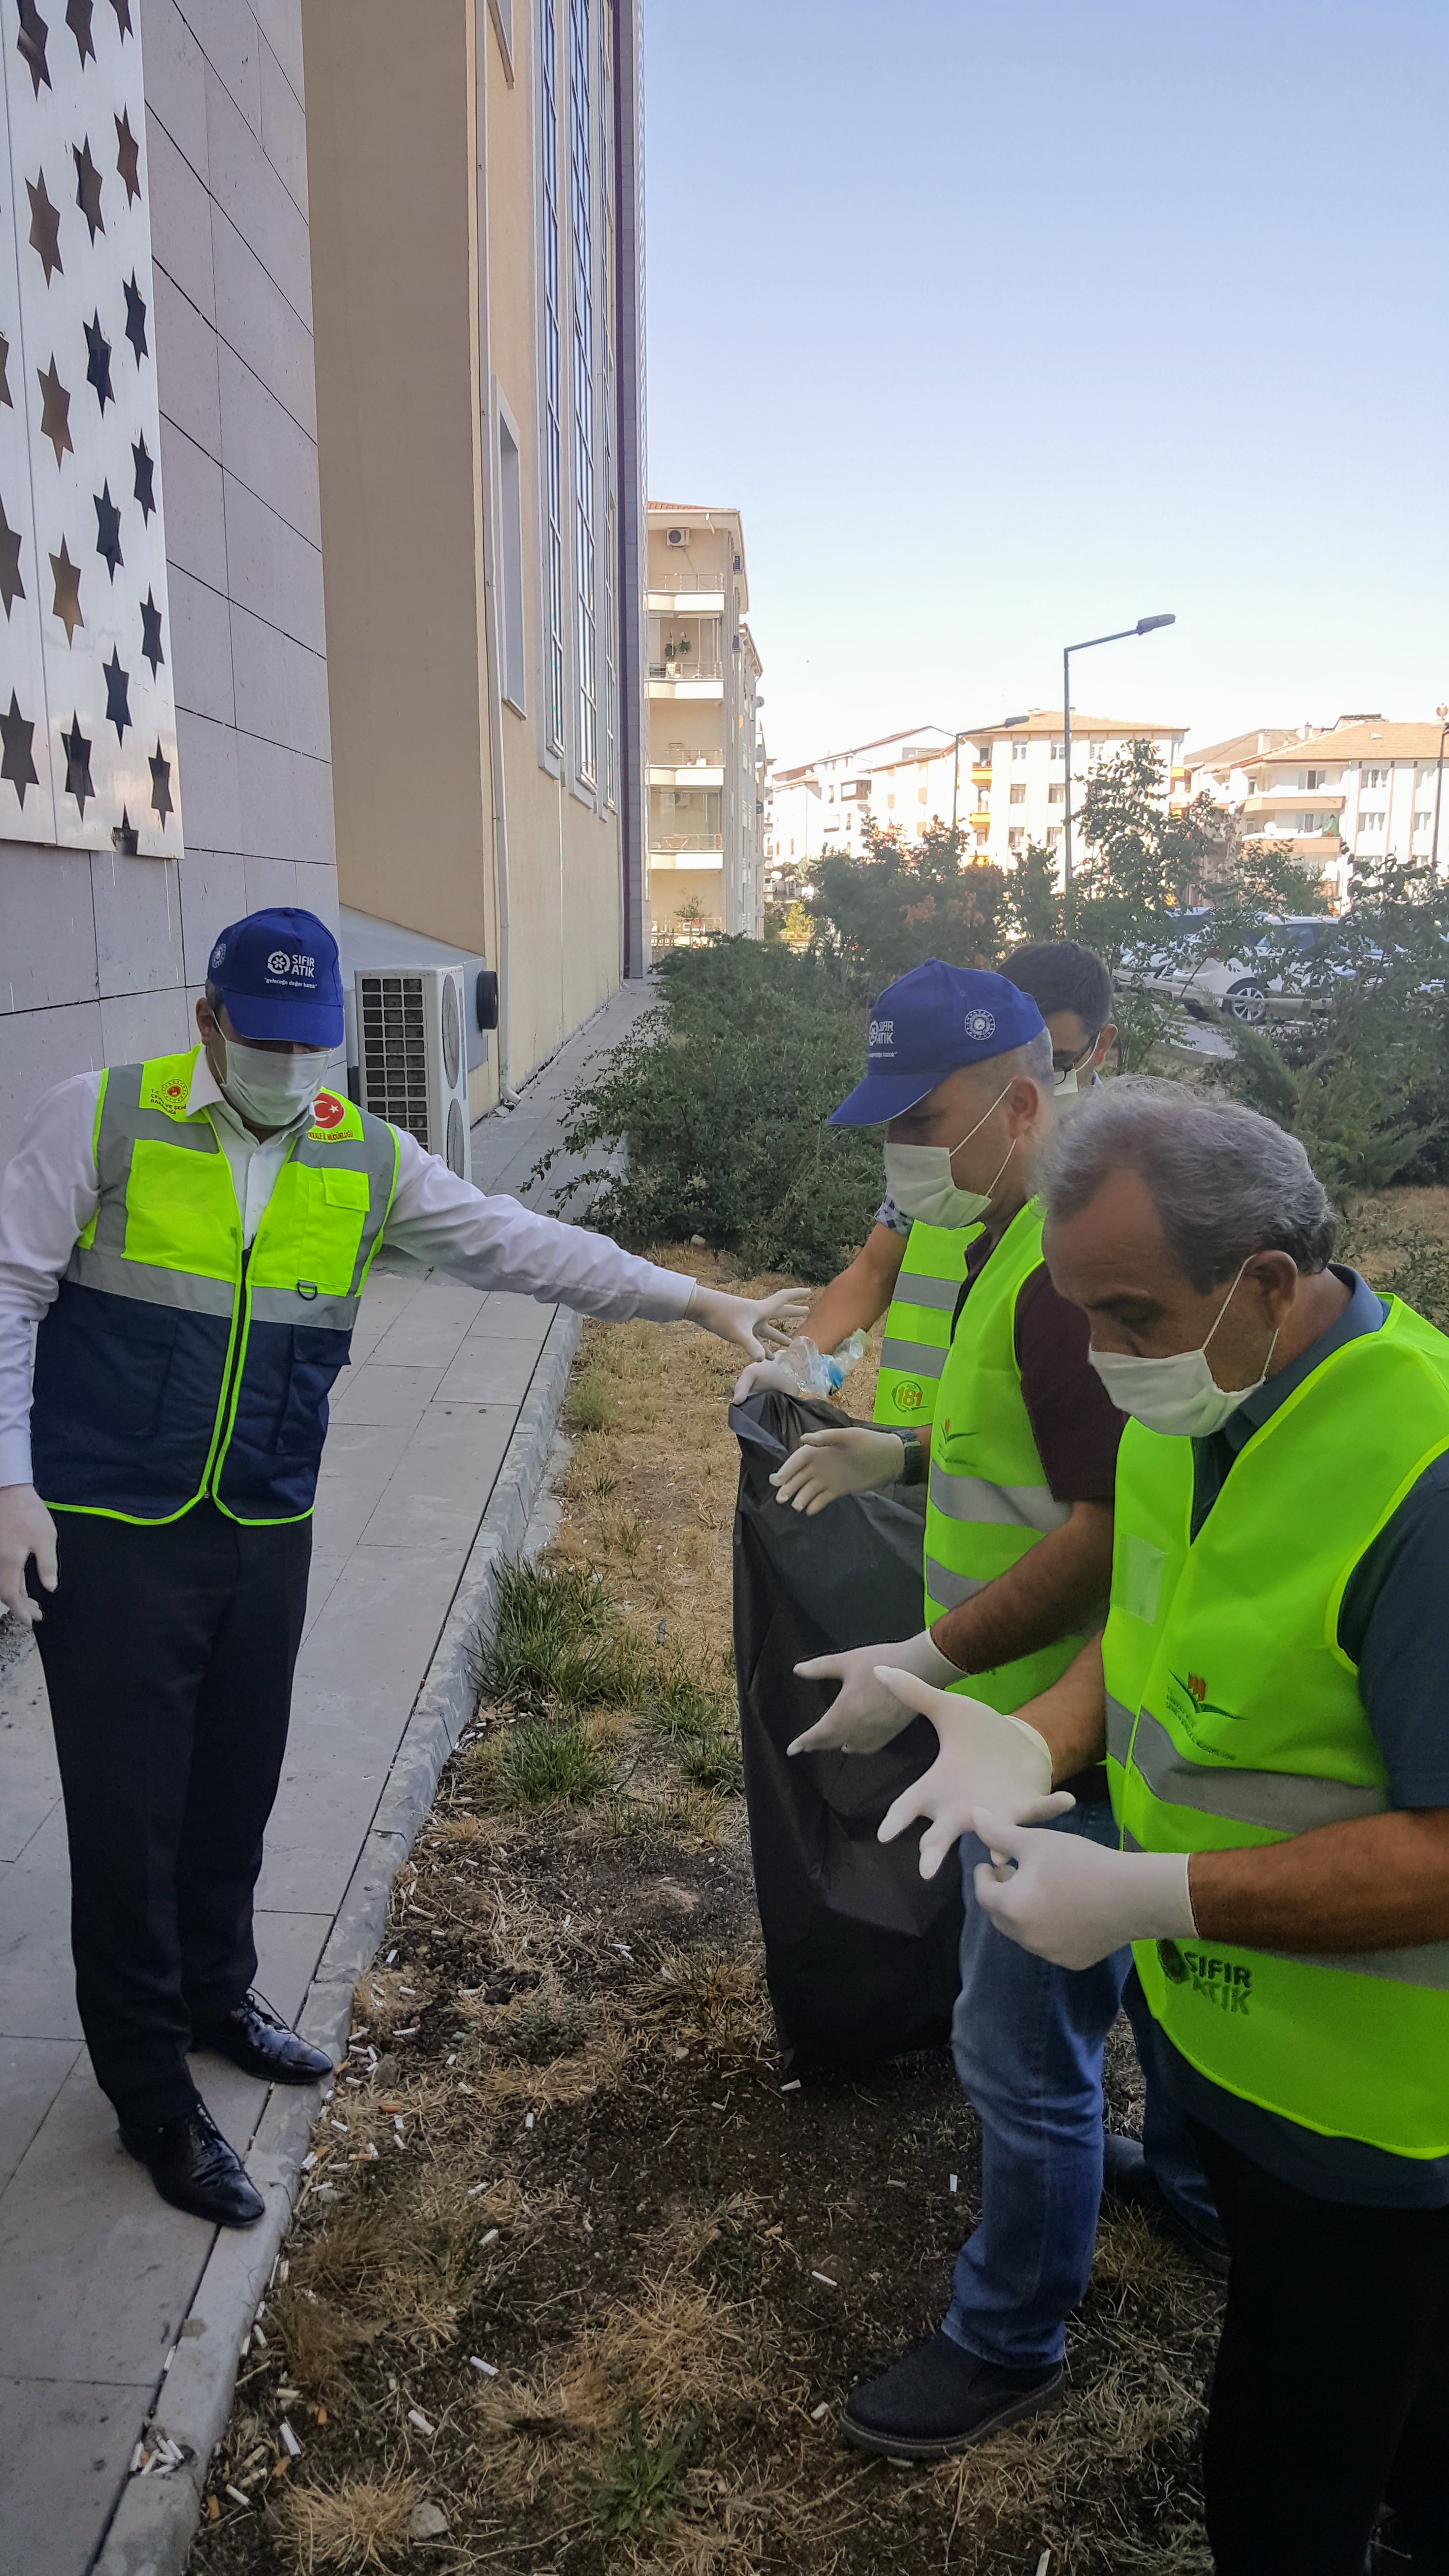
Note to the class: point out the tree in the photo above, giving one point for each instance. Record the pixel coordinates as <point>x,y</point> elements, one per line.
<point>904,902</point>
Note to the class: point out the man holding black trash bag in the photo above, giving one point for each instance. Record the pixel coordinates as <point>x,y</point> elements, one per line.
<point>188,1239</point>
<point>1020,1461</point>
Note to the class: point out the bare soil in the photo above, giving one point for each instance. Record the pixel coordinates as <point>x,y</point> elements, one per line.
<point>564,2148</point>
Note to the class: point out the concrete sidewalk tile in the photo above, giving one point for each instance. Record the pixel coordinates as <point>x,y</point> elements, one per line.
<point>32,2072</point>
<point>37,1980</point>
<point>356,1464</point>
<point>380,1626</point>
<point>27,1750</point>
<point>490,1370</point>
<point>379,1392</point>
<point>326,1565</point>
<point>428,1332</point>
<point>438,1492</point>
<point>98,2270</point>
<point>64,2449</point>
<point>511,1319</point>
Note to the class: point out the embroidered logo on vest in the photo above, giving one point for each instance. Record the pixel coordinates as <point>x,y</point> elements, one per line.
<point>327,1111</point>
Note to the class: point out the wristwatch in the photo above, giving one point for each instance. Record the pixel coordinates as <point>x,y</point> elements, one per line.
<point>913,1464</point>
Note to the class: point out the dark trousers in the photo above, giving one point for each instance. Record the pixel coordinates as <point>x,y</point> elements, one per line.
<point>168,1656</point>
<point>1331,2394</point>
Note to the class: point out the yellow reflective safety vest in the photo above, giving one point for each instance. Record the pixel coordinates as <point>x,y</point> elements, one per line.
<point>1234,1718</point>
<point>988,1500</point>
<point>918,1324</point>
<point>173,1364</point>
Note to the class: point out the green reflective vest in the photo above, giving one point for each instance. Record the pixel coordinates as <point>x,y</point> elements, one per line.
<point>988,1500</point>
<point>1234,1718</point>
<point>918,1325</point>
<point>173,1364</point>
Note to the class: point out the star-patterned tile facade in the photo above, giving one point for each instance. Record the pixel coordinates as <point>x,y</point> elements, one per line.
<point>87,718</point>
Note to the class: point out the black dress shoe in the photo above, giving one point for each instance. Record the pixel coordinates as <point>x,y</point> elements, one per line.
<point>1128,2177</point>
<point>258,2041</point>
<point>192,2166</point>
<point>939,2399</point>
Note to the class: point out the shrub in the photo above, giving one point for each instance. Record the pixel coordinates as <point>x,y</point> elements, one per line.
<point>719,1098</point>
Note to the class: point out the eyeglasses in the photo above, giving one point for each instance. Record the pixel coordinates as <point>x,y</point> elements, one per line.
<point>1062,1065</point>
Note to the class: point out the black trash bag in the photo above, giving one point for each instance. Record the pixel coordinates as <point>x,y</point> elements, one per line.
<point>861,1952</point>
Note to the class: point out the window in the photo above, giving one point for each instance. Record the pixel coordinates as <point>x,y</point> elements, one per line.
<point>1058,751</point>
<point>1015,840</point>
<point>1018,751</point>
<point>510,569</point>
<point>1372,822</point>
<point>1423,821</point>
<point>1018,795</point>
<point>921,795</point>
<point>1054,835</point>
<point>1374,778</point>
<point>581,182</point>
<point>552,390</point>
<point>1315,778</point>
<point>890,804</point>
<point>1057,795</point>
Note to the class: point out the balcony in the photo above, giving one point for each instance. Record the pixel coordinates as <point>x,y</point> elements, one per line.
<point>685,603</point>
<point>980,821</point>
<point>701,769</point>
<point>686,680</point>
<point>686,849</point>
<point>981,773</point>
<point>1280,800</point>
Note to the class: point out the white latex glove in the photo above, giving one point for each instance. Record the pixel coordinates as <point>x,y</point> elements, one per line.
<point>765,1376</point>
<point>1072,1902</point>
<point>749,1320</point>
<point>986,1760</point>
<point>26,1530</point>
<point>828,1464</point>
<point>864,1715</point>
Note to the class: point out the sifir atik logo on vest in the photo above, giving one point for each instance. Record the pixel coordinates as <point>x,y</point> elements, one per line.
<point>1225,1983</point>
<point>909,1395</point>
<point>1187,1701</point>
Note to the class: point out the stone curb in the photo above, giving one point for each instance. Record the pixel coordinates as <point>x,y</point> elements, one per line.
<point>152,2528</point>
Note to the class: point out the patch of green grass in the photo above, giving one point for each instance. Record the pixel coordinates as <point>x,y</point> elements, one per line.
<point>592,1402</point>
<point>538,1763</point>
<point>697,1716</point>
<point>641,2487</point>
<point>557,1642</point>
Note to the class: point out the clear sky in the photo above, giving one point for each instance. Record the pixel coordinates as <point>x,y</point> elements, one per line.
<point>1006,325</point>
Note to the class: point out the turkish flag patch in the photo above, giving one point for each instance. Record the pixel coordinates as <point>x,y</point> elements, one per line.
<point>327,1111</point>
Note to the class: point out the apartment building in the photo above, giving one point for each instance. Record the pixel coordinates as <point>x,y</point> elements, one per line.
<point>1003,785</point>
<point>1222,769</point>
<point>705,810</point>
<point>164,647</point>
<point>476,246</point>
<point>1365,788</point>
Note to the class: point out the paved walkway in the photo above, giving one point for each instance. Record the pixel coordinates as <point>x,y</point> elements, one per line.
<point>97,2275</point>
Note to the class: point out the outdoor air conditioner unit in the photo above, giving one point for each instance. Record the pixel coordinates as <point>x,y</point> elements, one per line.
<point>412,1056</point>
<point>676,536</point>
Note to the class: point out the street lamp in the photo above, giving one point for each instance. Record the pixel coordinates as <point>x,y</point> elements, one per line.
<point>1144,626</point>
<point>1443,715</point>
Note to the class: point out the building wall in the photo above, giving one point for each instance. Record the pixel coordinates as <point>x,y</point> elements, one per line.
<point>427,195</point>
<point>103,955</point>
<point>703,682</point>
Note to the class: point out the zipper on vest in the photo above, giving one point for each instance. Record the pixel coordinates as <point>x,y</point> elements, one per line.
<point>235,1357</point>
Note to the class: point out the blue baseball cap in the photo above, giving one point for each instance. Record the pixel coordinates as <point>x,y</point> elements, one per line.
<point>279,978</point>
<point>927,1023</point>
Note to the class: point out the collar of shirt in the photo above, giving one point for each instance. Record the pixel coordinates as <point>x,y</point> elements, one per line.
<point>254,1161</point>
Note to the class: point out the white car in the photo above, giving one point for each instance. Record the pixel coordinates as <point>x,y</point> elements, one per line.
<point>1259,986</point>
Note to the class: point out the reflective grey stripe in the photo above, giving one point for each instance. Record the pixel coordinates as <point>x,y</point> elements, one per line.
<point>921,1359</point>
<point>971,1498</point>
<point>288,1306</point>
<point>948,1588</point>
<point>114,1277</point>
<point>1119,1728</point>
<point>918,1288</point>
<point>1427,1965</point>
<point>1282,1802</point>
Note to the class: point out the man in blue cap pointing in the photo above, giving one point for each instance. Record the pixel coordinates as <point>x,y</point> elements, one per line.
<point>1019,1464</point>
<point>187,1239</point>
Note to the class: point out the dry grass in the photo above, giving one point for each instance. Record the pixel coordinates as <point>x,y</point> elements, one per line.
<point>359,2524</point>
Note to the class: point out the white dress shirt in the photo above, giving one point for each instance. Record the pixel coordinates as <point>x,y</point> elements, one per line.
<point>49,1193</point>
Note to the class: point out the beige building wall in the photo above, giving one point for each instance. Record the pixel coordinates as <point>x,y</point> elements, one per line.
<point>456,818</point>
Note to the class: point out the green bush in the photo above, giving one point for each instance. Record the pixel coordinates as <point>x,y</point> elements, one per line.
<point>719,1098</point>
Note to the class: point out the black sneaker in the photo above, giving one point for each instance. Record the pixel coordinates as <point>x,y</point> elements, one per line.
<point>938,2399</point>
<point>1128,2178</point>
<point>258,2041</point>
<point>194,2167</point>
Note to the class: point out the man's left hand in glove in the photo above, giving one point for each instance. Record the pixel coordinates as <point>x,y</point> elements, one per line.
<point>1071,1901</point>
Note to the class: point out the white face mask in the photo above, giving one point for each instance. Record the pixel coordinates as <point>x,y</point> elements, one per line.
<point>1178,1395</point>
<point>1066,1098</point>
<point>270,1090</point>
<point>918,1178</point>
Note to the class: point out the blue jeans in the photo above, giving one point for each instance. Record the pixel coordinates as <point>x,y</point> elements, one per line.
<point>1028,2041</point>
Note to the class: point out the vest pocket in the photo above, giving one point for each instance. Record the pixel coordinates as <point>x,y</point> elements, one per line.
<point>315,1359</point>
<point>112,1372</point>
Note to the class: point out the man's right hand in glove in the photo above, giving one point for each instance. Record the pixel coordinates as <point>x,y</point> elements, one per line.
<point>828,1464</point>
<point>986,1760</point>
<point>866,1712</point>
<point>26,1530</point>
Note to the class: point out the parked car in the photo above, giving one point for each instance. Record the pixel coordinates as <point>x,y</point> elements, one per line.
<point>1264,984</point>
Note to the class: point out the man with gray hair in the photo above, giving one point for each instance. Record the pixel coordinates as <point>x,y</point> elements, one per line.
<point>1269,1694</point>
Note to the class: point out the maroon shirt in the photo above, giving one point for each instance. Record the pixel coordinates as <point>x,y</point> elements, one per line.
<point>1075,1427</point>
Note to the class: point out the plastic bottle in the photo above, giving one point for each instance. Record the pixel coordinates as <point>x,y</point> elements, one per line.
<point>817,1373</point>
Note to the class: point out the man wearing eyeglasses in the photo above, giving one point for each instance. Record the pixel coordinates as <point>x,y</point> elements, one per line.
<point>915,1270</point>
